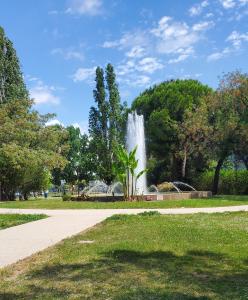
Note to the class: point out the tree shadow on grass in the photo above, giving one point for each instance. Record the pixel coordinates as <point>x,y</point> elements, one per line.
<point>36,292</point>
<point>128,274</point>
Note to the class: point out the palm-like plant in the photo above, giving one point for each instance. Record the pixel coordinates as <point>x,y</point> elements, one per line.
<point>124,169</point>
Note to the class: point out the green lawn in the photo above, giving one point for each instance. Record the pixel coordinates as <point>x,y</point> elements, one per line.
<point>9,220</point>
<point>57,203</point>
<point>198,256</point>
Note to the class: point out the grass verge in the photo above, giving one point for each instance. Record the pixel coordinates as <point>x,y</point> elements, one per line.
<point>9,220</point>
<point>149,256</point>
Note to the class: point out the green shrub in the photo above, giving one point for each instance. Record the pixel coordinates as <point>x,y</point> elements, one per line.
<point>149,213</point>
<point>125,217</point>
<point>231,182</point>
<point>119,217</point>
<point>66,197</point>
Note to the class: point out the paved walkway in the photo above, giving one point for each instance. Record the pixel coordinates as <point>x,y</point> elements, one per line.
<point>21,241</point>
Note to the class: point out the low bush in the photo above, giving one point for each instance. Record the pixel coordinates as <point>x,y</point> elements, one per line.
<point>83,197</point>
<point>66,197</point>
<point>125,217</point>
<point>231,182</point>
<point>149,213</point>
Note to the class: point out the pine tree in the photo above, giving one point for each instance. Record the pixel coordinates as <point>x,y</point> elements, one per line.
<point>12,85</point>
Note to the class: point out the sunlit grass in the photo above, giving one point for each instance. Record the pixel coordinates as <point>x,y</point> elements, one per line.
<point>57,203</point>
<point>9,220</point>
<point>142,257</point>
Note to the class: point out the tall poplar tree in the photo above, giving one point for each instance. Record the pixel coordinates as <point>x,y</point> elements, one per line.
<point>106,122</point>
<point>12,85</point>
<point>115,117</point>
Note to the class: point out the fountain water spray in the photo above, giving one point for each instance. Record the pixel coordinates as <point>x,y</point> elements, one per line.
<point>136,137</point>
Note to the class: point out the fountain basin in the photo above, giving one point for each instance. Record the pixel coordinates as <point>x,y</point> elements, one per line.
<point>152,196</point>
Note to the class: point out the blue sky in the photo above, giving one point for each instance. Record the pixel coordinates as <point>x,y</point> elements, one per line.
<point>60,42</point>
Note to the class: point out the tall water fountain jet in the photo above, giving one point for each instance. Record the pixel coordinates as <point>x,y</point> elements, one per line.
<point>136,137</point>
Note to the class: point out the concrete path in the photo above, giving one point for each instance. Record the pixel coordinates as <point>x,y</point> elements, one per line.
<point>21,241</point>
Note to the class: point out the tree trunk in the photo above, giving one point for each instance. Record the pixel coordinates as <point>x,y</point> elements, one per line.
<point>132,186</point>
<point>176,168</point>
<point>217,176</point>
<point>128,184</point>
<point>184,164</point>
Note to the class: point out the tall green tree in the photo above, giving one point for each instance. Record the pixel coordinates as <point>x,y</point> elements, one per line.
<point>99,128</point>
<point>28,149</point>
<point>193,135</point>
<point>12,85</point>
<point>80,163</point>
<point>228,115</point>
<point>115,116</point>
<point>106,122</point>
<point>172,133</point>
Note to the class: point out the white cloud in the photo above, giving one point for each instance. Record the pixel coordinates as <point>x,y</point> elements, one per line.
<point>84,74</point>
<point>141,80</point>
<point>85,7</point>
<point>111,44</point>
<point>237,38</point>
<point>218,55</point>
<point>68,54</point>
<point>180,58</point>
<point>183,55</point>
<point>173,36</point>
<point>83,126</point>
<point>243,2</point>
<point>138,81</point>
<point>44,94</point>
<point>54,122</point>
<point>128,40</point>
<point>227,4</point>
<point>136,52</point>
<point>149,65</point>
<point>209,15</point>
<point>31,78</point>
<point>53,12</point>
<point>202,26</point>
<point>126,67</point>
<point>145,65</point>
<point>197,9</point>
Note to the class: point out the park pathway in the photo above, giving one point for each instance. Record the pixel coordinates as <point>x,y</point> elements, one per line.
<point>21,241</point>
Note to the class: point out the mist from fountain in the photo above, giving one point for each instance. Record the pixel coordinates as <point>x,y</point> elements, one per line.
<point>136,137</point>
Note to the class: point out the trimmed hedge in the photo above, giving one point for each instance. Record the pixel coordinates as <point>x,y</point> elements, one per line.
<point>231,182</point>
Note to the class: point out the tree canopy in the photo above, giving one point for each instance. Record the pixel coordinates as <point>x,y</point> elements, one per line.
<point>29,150</point>
<point>171,134</point>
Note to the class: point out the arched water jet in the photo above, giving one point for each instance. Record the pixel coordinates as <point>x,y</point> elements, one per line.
<point>184,184</point>
<point>116,189</point>
<point>153,189</point>
<point>96,187</point>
